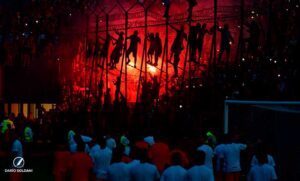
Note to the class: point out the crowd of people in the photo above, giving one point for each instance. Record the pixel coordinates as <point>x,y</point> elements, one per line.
<point>79,154</point>
<point>161,137</point>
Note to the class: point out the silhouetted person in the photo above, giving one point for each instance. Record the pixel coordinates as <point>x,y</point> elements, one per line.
<point>158,48</point>
<point>199,171</point>
<point>262,171</point>
<point>105,48</point>
<point>175,171</point>
<point>226,38</point>
<point>118,87</point>
<point>192,4</point>
<point>155,88</point>
<point>134,40</point>
<point>107,100</point>
<point>200,39</point>
<point>166,4</point>
<point>117,51</point>
<point>192,40</point>
<point>151,48</point>
<point>177,47</point>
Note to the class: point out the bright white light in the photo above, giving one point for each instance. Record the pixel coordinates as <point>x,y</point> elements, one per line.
<point>151,69</point>
<point>131,64</point>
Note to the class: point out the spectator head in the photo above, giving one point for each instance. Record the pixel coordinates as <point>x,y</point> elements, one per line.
<point>176,158</point>
<point>199,157</point>
<point>142,155</point>
<point>262,157</point>
<point>11,116</point>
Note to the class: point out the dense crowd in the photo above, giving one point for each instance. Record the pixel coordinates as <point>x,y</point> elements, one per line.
<point>79,155</point>
<point>164,136</point>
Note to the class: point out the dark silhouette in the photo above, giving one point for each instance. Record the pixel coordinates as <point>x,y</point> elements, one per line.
<point>192,4</point>
<point>134,40</point>
<point>177,47</point>
<point>166,3</point>
<point>151,48</point>
<point>118,87</point>
<point>117,51</point>
<point>226,38</point>
<point>200,39</point>
<point>158,48</point>
<point>105,48</point>
<point>192,41</point>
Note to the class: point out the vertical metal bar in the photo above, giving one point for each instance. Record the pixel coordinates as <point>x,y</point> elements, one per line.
<point>106,68</point>
<point>125,50</point>
<point>85,56</point>
<point>215,30</point>
<point>167,47</point>
<point>225,117</point>
<point>96,54</point>
<point>146,19</point>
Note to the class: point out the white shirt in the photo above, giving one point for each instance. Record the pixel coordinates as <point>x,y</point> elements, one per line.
<point>17,148</point>
<point>144,172</point>
<point>199,173</point>
<point>271,161</point>
<point>173,173</point>
<point>231,155</point>
<point>133,163</point>
<point>111,143</point>
<point>118,171</point>
<point>149,140</point>
<point>86,139</point>
<point>218,154</point>
<point>209,154</point>
<point>262,172</point>
<point>73,144</point>
<point>101,159</point>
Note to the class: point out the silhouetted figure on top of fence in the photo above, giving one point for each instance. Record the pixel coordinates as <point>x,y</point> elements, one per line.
<point>226,41</point>
<point>134,40</point>
<point>177,47</point>
<point>117,51</point>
